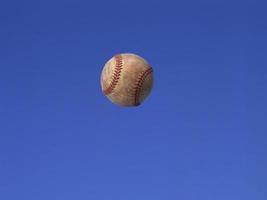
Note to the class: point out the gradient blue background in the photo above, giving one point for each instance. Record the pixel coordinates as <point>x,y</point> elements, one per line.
<point>201,135</point>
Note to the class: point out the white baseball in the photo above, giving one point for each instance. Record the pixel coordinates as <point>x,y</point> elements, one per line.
<point>127,79</point>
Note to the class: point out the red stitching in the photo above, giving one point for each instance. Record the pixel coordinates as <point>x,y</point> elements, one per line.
<point>139,85</point>
<point>116,75</point>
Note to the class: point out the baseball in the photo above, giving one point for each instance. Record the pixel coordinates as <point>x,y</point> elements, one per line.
<point>127,79</point>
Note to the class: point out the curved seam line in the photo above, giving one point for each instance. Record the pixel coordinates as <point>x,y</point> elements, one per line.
<point>139,84</point>
<point>116,75</point>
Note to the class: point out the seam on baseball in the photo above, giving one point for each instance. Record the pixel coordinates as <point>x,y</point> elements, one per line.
<point>139,83</point>
<point>116,75</point>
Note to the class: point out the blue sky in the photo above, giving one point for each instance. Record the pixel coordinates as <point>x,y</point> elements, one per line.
<point>200,135</point>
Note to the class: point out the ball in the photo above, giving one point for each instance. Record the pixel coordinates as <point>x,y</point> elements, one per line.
<point>127,79</point>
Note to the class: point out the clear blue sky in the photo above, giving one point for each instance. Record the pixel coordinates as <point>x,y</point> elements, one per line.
<point>201,135</point>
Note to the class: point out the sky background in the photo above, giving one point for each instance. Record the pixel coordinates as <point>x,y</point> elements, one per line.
<point>200,135</point>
